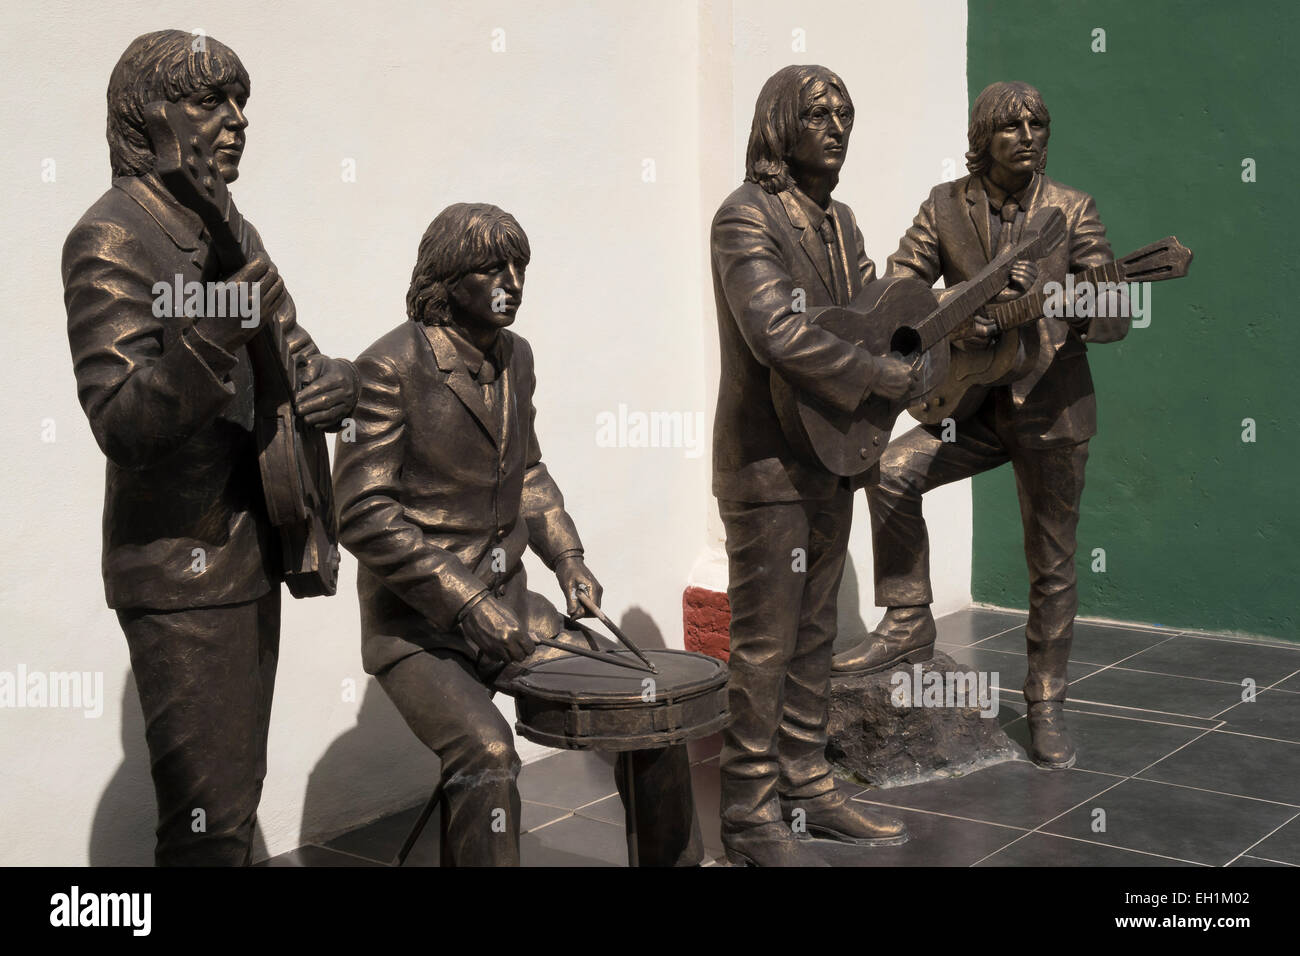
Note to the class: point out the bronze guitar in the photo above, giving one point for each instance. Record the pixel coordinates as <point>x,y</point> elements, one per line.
<point>292,456</point>
<point>899,317</point>
<point>972,372</point>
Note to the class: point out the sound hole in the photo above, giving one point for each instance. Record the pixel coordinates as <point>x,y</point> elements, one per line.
<point>906,342</point>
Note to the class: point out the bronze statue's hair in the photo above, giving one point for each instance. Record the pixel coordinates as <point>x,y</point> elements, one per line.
<point>776,127</point>
<point>998,104</point>
<point>168,64</point>
<point>463,238</point>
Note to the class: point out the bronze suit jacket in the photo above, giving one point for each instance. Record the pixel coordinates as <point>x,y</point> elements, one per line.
<point>436,503</point>
<point>764,248</point>
<point>1054,403</point>
<point>173,413</point>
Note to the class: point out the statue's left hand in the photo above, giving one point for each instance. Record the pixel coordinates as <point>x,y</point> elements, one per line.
<point>326,392</point>
<point>573,574</point>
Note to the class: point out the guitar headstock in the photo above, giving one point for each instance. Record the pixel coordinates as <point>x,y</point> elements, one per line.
<point>1050,228</point>
<point>1166,259</point>
<point>185,162</point>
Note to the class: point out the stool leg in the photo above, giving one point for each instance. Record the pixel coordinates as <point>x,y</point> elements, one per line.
<point>629,816</point>
<point>434,799</point>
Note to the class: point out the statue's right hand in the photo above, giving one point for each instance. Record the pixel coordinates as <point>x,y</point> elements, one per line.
<point>493,628</point>
<point>232,331</point>
<point>894,377</point>
<point>980,333</point>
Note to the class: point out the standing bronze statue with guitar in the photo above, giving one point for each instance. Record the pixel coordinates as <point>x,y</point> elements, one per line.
<point>780,248</point>
<point>1036,410</point>
<point>217,485</point>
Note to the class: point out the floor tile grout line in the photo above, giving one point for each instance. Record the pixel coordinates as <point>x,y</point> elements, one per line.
<point>355,856</point>
<point>1174,751</point>
<point>937,813</point>
<point>1248,642</point>
<point>1239,733</point>
<point>1144,720</point>
<point>1126,849</point>
<point>1014,627</point>
<point>1246,851</point>
<point>1039,828</point>
<point>1207,680</point>
<point>567,815</point>
<point>1267,860</point>
<point>1143,710</point>
<point>1219,793</point>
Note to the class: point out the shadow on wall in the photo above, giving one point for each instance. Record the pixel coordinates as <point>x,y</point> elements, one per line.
<point>851,626</point>
<point>122,832</point>
<point>376,768</point>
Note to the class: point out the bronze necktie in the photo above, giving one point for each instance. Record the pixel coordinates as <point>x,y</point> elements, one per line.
<point>839,279</point>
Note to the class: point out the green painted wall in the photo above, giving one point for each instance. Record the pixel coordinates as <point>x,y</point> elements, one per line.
<point>1200,529</point>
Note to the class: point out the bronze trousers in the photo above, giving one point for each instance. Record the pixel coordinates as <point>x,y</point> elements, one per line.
<point>785,563</point>
<point>1049,483</point>
<point>205,678</point>
<point>446,699</point>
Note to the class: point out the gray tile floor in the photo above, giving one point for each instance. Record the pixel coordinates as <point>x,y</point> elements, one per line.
<point>1175,768</point>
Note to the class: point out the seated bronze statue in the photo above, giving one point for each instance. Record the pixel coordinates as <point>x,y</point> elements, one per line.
<point>440,494</point>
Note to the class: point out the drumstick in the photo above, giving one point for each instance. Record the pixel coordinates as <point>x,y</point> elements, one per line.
<point>608,658</point>
<point>591,606</point>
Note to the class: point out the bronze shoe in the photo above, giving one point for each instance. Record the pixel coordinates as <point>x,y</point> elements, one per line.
<point>832,816</point>
<point>1049,742</point>
<point>769,844</point>
<point>904,635</point>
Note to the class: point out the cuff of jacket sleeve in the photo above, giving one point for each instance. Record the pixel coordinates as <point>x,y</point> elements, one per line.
<point>470,605</point>
<point>218,361</point>
<point>570,553</point>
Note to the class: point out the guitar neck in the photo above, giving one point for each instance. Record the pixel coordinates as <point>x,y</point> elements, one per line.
<point>949,317</point>
<point>1029,308</point>
<point>230,238</point>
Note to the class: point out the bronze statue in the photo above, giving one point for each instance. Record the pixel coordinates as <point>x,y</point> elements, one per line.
<point>192,561</point>
<point>1041,422</point>
<point>780,245</point>
<point>440,494</point>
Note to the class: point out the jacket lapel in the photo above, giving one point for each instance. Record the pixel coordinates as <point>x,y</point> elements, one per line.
<point>809,239</point>
<point>181,226</point>
<point>458,377</point>
<point>978,206</point>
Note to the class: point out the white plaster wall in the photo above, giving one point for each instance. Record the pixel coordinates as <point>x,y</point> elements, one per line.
<point>557,129</point>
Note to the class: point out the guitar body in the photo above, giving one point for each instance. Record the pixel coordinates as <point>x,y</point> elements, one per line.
<point>293,457</point>
<point>882,320</point>
<point>971,373</point>
<point>293,460</point>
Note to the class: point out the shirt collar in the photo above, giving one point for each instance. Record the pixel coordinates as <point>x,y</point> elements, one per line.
<point>471,355</point>
<point>812,212</point>
<point>997,195</point>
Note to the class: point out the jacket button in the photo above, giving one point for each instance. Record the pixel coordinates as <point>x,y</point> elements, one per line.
<point>501,533</point>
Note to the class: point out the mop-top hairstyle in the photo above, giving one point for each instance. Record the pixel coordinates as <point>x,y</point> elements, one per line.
<point>462,239</point>
<point>776,127</point>
<point>170,65</point>
<point>997,105</point>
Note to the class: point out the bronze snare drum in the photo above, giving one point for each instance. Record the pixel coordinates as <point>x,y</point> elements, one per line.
<point>580,703</point>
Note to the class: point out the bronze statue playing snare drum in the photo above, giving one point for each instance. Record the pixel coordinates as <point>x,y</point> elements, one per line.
<point>440,494</point>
